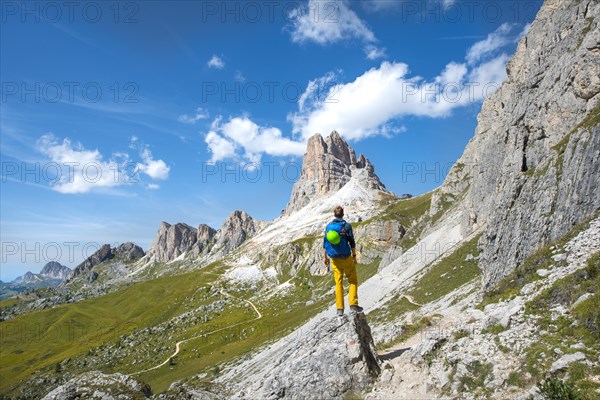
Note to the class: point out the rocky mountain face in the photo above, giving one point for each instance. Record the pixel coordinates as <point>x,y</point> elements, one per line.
<point>532,169</point>
<point>326,167</point>
<point>97,385</point>
<point>335,357</point>
<point>55,270</point>
<point>235,230</point>
<point>29,278</point>
<point>51,275</point>
<point>172,241</point>
<point>126,252</point>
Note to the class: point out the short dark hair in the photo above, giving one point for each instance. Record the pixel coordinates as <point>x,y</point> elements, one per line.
<point>338,212</point>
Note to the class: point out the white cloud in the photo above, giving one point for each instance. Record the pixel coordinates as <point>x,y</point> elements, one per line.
<point>192,119</point>
<point>374,102</point>
<point>216,62</point>
<point>373,52</point>
<point>494,41</point>
<point>79,170</point>
<point>491,73</point>
<point>220,148</point>
<point>453,72</point>
<point>239,77</point>
<point>133,141</point>
<point>326,22</point>
<point>448,3</point>
<point>74,169</point>
<point>153,186</point>
<point>315,90</point>
<point>155,169</point>
<point>242,135</point>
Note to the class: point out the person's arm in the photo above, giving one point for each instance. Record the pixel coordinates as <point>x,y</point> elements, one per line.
<point>351,241</point>
<point>350,234</point>
<point>325,258</point>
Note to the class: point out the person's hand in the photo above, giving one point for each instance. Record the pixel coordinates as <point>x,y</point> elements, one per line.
<point>326,261</point>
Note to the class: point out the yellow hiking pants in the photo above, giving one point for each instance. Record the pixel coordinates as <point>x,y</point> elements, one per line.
<point>341,267</point>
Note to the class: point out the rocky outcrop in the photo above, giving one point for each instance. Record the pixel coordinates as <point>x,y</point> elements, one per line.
<point>172,241</point>
<point>326,167</point>
<point>126,252</point>
<point>335,357</point>
<point>102,254</point>
<point>95,384</point>
<point>531,170</point>
<point>55,270</point>
<point>389,231</point>
<point>28,278</point>
<point>129,252</point>
<point>238,227</point>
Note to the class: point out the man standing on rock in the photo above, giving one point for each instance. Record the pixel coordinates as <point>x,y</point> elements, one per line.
<point>339,245</point>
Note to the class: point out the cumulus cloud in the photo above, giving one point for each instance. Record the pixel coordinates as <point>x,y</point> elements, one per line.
<point>79,170</point>
<point>326,22</point>
<point>216,62</point>
<point>75,169</point>
<point>494,41</point>
<point>155,169</point>
<point>243,139</point>
<point>375,102</point>
<point>219,147</point>
<point>153,186</point>
<point>199,115</point>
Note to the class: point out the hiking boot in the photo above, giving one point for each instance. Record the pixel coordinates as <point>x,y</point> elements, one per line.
<point>356,309</point>
<point>340,312</point>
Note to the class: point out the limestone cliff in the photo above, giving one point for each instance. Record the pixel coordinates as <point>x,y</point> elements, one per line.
<point>532,169</point>
<point>326,167</point>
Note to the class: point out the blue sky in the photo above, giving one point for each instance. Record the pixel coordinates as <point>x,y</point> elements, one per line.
<point>116,116</point>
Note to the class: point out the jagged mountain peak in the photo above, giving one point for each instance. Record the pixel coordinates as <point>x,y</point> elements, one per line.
<point>125,252</point>
<point>55,270</point>
<point>180,239</point>
<point>327,166</point>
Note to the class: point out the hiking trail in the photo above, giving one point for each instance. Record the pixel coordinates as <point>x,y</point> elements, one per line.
<point>178,344</point>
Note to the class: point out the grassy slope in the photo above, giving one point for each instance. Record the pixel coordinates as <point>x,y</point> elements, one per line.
<point>42,339</point>
<point>449,274</point>
<point>47,337</point>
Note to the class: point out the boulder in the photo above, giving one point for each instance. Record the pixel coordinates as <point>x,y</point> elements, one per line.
<point>335,357</point>
<point>95,384</point>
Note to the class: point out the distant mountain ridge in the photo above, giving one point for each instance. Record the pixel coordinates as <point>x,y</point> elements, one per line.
<point>51,271</point>
<point>51,275</point>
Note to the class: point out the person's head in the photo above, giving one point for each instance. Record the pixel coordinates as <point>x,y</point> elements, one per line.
<point>338,212</point>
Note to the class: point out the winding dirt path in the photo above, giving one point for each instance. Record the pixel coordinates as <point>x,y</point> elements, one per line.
<point>411,300</point>
<point>178,344</point>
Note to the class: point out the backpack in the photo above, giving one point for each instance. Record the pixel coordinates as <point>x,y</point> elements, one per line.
<point>342,249</point>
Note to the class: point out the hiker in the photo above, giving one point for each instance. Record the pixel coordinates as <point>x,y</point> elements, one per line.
<point>339,246</point>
